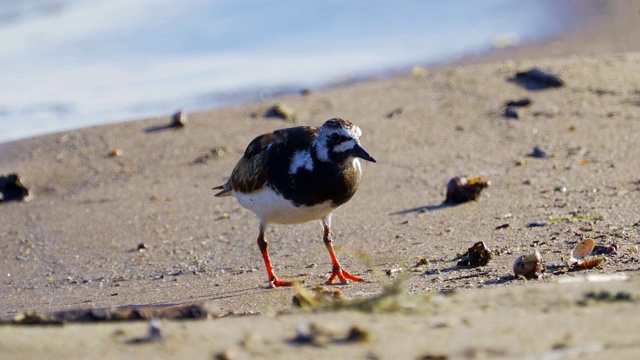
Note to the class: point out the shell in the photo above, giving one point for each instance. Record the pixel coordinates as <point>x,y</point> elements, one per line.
<point>528,266</point>
<point>462,189</point>
<point>591,261</point>
<point>477,255</point>
<point>580,258</point>
<point>582,250</point>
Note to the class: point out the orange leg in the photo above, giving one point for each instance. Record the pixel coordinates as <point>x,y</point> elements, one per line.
<point>263,245</point>
<point>337,271</point>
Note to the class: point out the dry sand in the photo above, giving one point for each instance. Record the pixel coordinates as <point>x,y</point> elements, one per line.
<point>74,245</point>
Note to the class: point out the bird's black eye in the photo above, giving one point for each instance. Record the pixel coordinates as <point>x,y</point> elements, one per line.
<point>335,138</point>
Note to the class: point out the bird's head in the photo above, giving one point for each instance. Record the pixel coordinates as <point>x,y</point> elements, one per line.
<point>339,140</point>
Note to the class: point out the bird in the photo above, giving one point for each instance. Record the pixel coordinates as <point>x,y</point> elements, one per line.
<point>299,174</point>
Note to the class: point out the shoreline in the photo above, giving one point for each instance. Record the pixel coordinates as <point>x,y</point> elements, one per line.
<point>612,29</point>
<point>577,38</point>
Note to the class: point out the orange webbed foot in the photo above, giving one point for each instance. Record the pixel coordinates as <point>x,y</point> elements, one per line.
<point>343,275</point>
<point>273,283</point>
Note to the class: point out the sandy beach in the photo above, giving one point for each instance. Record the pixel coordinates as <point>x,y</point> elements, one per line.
<point>124,216</point>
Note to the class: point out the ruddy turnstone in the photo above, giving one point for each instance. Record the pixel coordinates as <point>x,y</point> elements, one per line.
<point>299,174</point>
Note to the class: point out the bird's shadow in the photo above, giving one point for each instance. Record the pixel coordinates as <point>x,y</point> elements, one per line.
<point>425,208</point>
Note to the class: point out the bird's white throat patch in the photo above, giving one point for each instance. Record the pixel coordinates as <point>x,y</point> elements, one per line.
<point>356,166</point>
<point>301,160</point>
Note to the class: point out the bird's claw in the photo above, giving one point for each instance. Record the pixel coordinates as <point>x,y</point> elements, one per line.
<point>343,275</point>
<point>274,282</point>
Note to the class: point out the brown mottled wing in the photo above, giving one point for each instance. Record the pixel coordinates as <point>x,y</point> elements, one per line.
<point>250,173</point>
<point>268,153</point>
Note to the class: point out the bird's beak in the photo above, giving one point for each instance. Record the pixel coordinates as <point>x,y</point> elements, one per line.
<point>358,151</point>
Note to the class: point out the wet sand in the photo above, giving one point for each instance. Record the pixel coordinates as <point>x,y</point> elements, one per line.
<point>143,228</point>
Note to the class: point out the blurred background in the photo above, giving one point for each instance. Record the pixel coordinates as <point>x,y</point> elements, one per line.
<point>67,63</point>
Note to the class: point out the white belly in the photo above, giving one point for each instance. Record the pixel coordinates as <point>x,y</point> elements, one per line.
<point>270,207</point>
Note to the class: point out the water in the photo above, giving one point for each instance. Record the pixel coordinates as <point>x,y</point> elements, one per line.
<point>66,64</point>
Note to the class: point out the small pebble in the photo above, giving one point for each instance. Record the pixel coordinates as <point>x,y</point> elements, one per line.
<point>519,103</point>
<point>539,153</point>
<point>536,224</point>
<point>115,152</point>
<point>395,113</point>
<point>179,119</point>
<point>280,111</point>
<point>536,79</point>
<point>510,112</point>
<point>358,334</point>
<point>12,189</point>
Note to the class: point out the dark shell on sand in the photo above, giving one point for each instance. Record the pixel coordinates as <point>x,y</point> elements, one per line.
<point>536,79</point>
<point>462,189</point>
<point>12,189</point>
<point>477,255</point>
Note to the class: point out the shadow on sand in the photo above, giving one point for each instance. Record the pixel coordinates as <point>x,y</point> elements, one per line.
<point>425,208</point>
